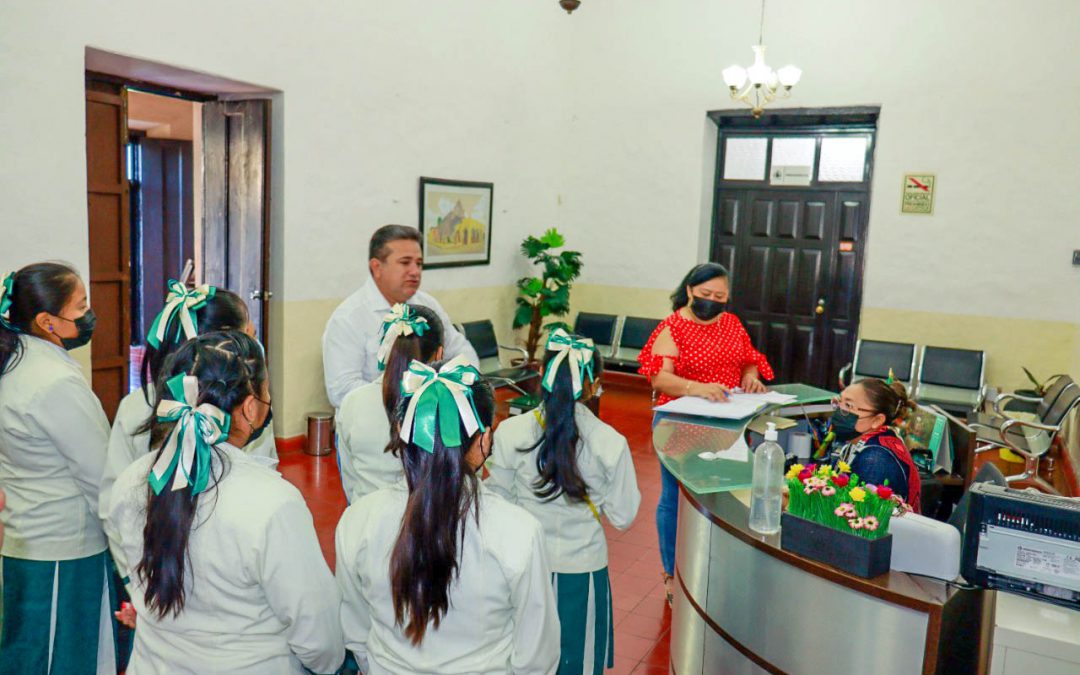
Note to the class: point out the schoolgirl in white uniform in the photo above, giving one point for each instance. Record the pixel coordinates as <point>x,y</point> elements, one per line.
<point>567,468</point>
<point>53,434</point>
<point>439,575</point>
<point>187,313</point>
<point>363,422</point>
<point>227,575</point>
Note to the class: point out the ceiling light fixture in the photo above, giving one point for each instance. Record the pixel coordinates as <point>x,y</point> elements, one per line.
<point>759,85</point>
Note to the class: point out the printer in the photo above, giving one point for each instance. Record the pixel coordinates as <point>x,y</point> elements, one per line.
<point>1024,542</point>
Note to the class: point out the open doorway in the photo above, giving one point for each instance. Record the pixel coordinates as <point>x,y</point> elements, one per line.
<point>164,138</point>
<point>173,175</point>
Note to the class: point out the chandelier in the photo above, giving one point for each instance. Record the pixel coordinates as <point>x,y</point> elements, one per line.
<point>759,85</point>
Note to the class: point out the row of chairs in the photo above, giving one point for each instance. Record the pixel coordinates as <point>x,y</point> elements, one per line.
<point>952,379</point>
<point>619,338</point>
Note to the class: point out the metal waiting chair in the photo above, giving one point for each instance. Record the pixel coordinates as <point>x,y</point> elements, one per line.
<point>1029,439</point>
<point>600,328</point>
<point>951,379</point>
<point>635,333</point>
<point>481,335</point>
<point>877,358</point>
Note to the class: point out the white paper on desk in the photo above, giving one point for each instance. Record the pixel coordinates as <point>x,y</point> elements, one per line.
<point>771,397</point>
<point>735,408</point>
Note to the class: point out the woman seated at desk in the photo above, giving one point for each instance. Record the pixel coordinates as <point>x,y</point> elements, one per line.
<point>700,349</point>
<point>863,422</point>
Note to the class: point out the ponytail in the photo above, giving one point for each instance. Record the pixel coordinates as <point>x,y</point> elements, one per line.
<point>442,492</point>
<point>40,287</point>
<point>222,312</point>
<point>556,459</point>
<point>406,349</point>
<point>229,367</point>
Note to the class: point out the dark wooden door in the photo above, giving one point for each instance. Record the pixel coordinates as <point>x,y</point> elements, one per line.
<point>110,240</point>
<point>236,151</point>
<point>795,251</point>
<point>164,236</point>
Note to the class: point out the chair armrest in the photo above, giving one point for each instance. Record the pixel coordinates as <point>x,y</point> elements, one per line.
<point>1052,430</point>
<point>842,375</point>
<point>520,350</point>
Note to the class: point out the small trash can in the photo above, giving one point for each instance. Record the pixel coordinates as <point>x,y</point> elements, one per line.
<point>320,433</point>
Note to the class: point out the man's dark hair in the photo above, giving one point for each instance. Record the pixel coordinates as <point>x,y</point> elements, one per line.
<point>386,234</point>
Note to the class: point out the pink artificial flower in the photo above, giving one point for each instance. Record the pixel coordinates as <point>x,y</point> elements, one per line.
<point>870,487</point>
<point>856,523</point>
<point>870,523</point>
<point>841,510</point>
<point>805,473</point>
<point>845,510</point>
<point>809,489</point>
<point>828,491</point>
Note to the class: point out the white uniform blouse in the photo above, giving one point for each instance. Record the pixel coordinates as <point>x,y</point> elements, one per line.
<point>125,446</point>
<point>363,433</point>
<point>354,332</point>
<point>502,616</point>
<point>53,434</point>
<point>575,538</point>
<point>260,597</point>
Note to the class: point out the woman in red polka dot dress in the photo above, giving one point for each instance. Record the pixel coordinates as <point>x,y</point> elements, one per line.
<point>698,350</point>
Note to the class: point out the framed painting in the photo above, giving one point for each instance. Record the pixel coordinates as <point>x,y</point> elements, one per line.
<point>455,222</point>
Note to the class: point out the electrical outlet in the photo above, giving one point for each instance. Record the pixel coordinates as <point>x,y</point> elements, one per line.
<point>1076,258</point>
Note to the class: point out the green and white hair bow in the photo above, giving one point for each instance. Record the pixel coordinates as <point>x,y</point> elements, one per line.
<point>185,457</point>
<point>401,320</point>
<point>578,352</point>
<point>6,284</point>
<point>444,395</point>
<point>184,302</point>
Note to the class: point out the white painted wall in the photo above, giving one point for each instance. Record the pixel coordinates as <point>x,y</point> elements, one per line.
<point>981,93</point>
<point>374,95</point>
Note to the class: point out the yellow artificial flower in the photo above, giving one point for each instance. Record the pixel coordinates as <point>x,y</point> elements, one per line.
<point>794,471</point>
<point>824,471</point>
<point>857,495</point>
<point>843,466</point>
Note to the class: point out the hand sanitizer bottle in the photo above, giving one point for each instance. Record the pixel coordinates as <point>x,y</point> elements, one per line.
<point>767,487</point>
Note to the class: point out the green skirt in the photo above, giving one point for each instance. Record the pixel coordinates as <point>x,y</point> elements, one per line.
<point>57,617</point>
<point>588,636</point>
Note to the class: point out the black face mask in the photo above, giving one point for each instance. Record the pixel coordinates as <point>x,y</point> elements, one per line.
<point>85,325</point>
<point>257,432</point>
<point>706,309</point>
<point>843,425</point>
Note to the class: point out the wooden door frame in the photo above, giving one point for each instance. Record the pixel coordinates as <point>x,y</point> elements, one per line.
<point>800,121</point>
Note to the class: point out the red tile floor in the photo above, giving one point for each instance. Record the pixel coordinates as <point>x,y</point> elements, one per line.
<point>642,617</point>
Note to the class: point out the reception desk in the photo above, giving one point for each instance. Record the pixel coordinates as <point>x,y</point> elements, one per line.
<point>744,605</point>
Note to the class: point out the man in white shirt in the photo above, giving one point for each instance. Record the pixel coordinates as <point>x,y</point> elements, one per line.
<point>354,331</point>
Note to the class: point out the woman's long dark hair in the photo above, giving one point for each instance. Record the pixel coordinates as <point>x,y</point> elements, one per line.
<point>697,275</point>
<point>407,348</point>
<point>40,287</point>
<point>556,461</point>
<point>224,311</point>
<point>442,491</point>
<point>229,367</point>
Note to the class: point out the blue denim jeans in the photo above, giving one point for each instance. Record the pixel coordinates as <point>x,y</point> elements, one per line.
<point>667,518</point>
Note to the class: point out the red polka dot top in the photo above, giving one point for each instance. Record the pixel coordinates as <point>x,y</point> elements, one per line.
<point>715,352</point>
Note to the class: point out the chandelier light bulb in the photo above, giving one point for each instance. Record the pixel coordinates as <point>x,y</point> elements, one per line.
<point>759,72</point>
<point>789,75</point>
<point>735,77</point>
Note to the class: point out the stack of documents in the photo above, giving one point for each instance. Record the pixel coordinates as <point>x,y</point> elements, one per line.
<point>737,407</point>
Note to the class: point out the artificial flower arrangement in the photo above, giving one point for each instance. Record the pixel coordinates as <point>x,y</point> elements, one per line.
<point>836,498</point>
